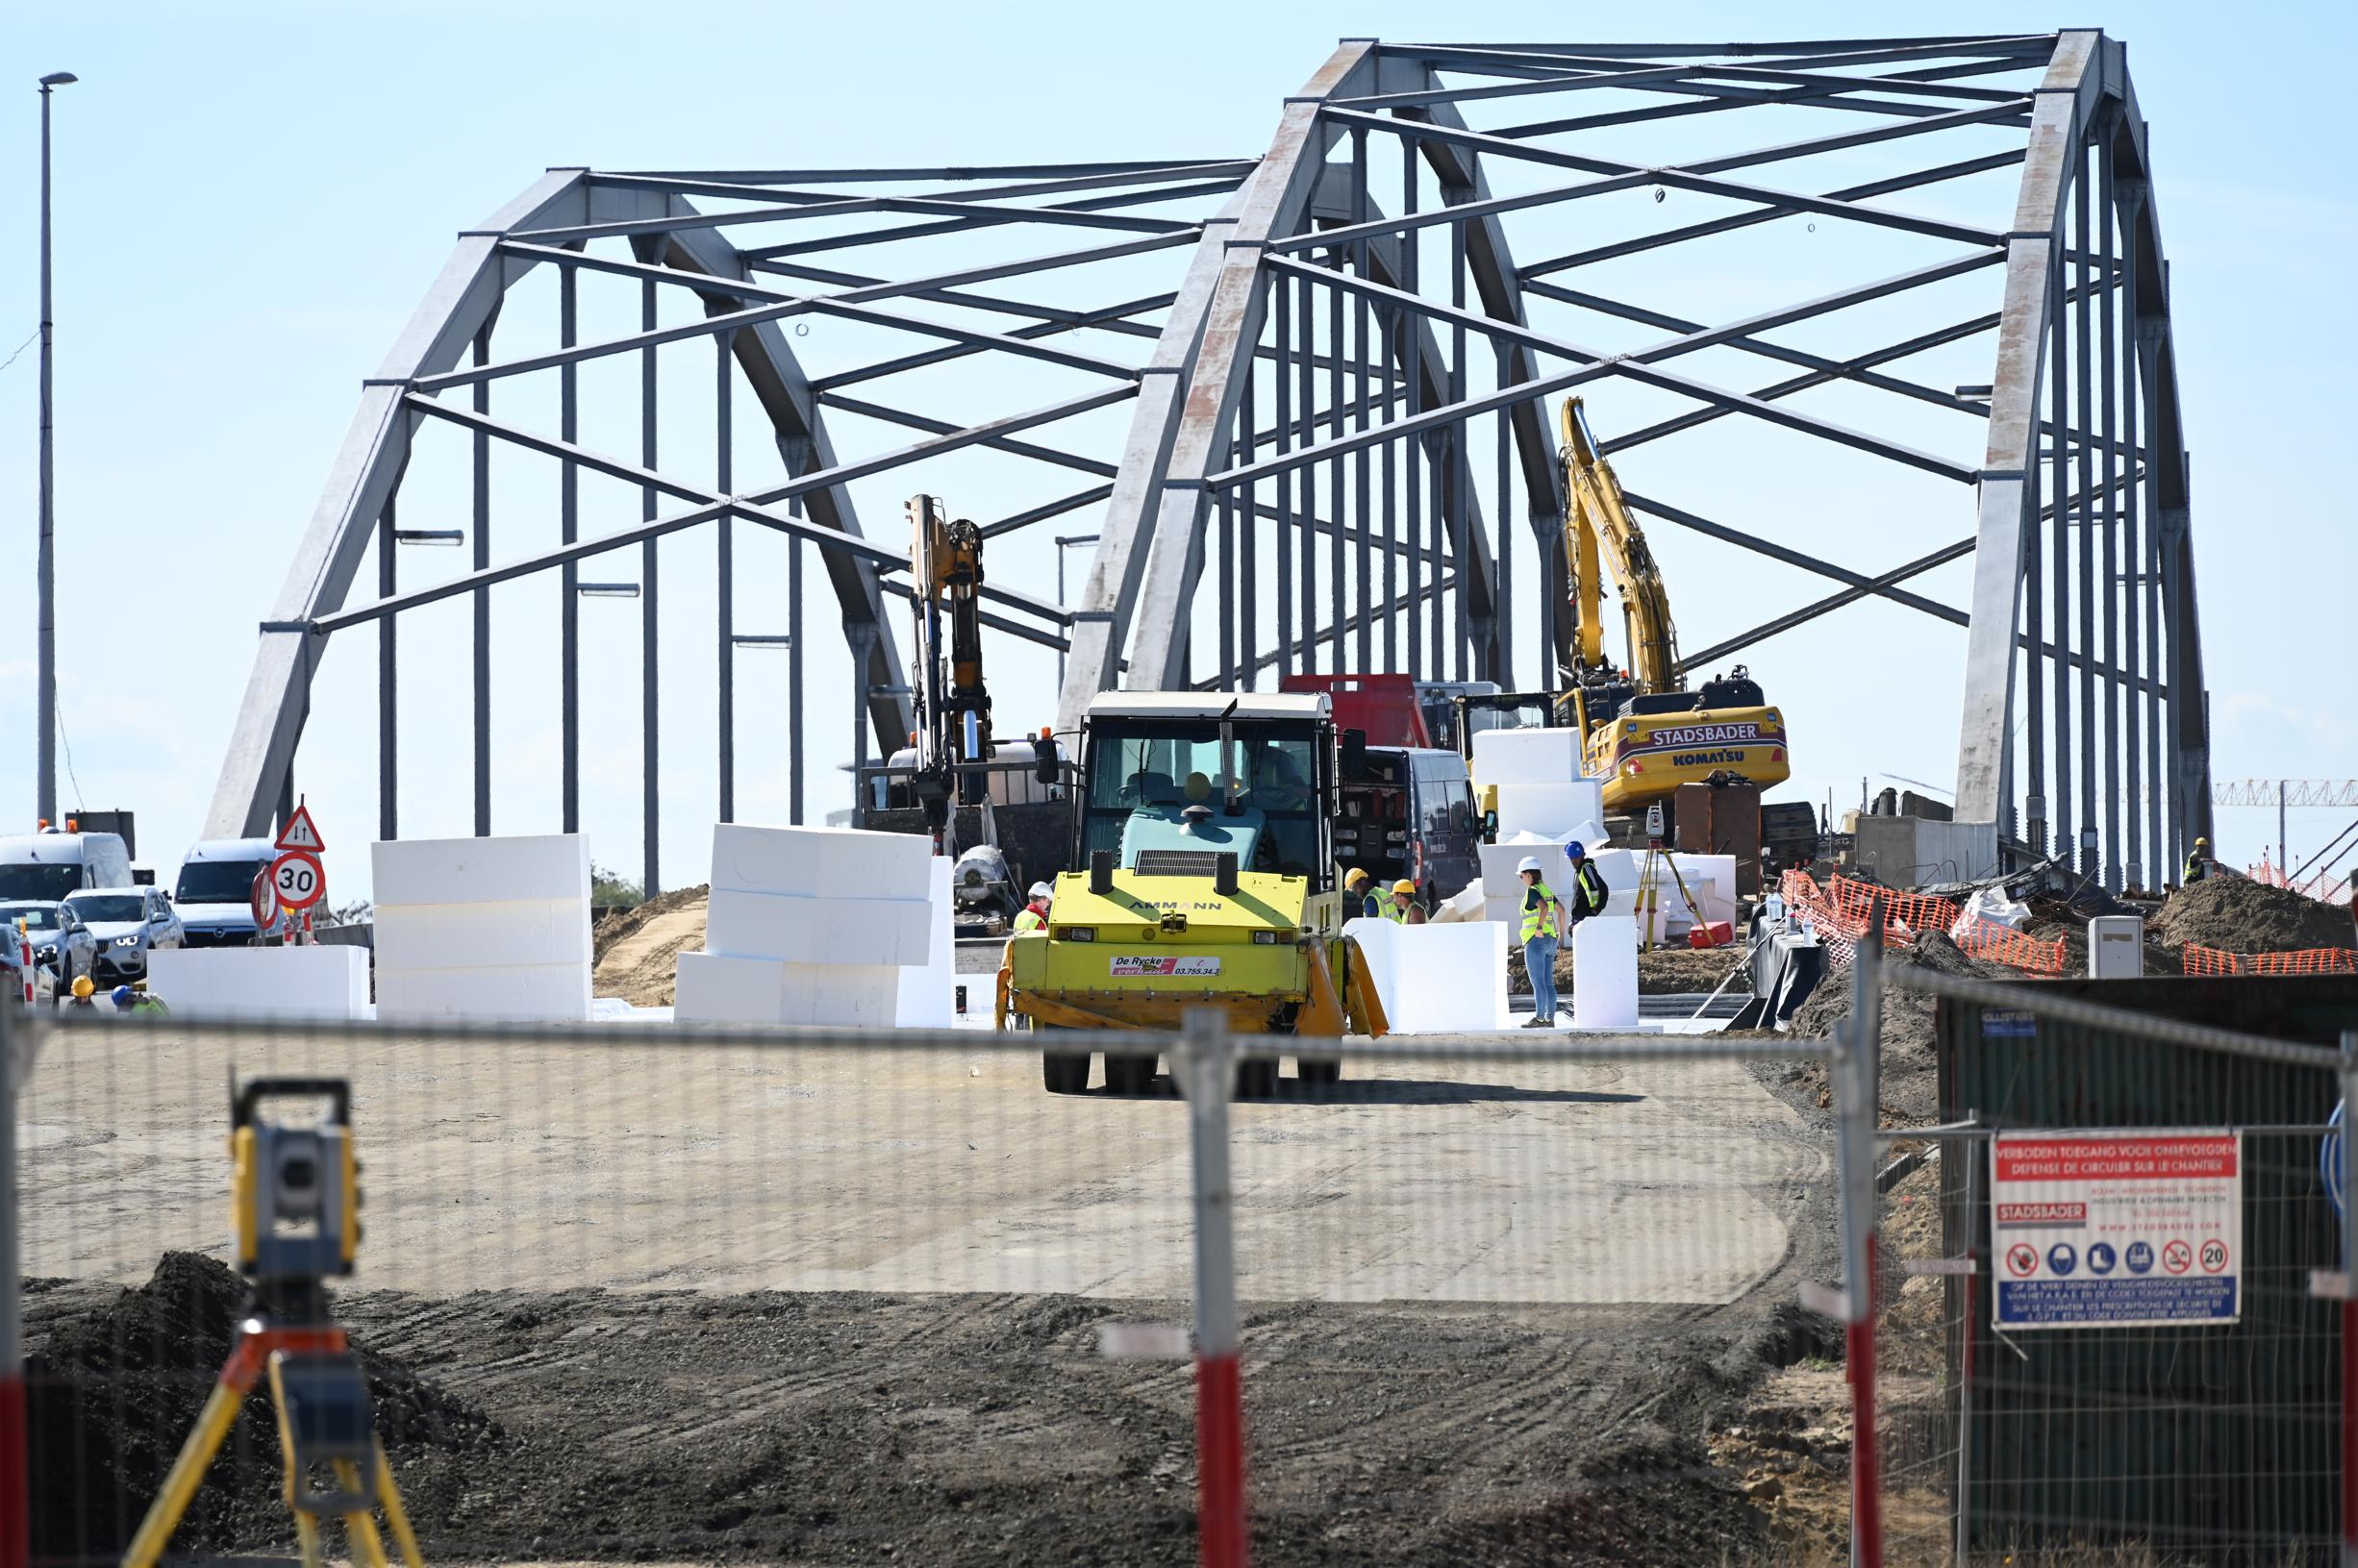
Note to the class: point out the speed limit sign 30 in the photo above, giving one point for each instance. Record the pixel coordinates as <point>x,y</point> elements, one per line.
<point>298,880</point>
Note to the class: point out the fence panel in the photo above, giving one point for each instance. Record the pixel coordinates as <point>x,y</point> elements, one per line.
<point>1540,1304</point>
<point>624,1293</point>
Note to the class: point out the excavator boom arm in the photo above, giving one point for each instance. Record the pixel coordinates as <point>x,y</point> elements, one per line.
<point>1601,537</point>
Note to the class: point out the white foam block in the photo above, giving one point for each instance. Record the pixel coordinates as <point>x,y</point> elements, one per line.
<point>924,992</point>
<point>855,930</point>
<point>1447,978</point>
<point>516,993</point>
<point>1512,757</point>
<point>1552,808</point>
<point>814,862</point>
<point>1605,973</point>
<point>716,988</point>
<point>848,995</point>
<point>261,981</point>
<point>480,870</point>
<point>483,936</point>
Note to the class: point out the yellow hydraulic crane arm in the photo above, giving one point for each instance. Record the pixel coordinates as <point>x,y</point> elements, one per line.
<point>1599,537</point>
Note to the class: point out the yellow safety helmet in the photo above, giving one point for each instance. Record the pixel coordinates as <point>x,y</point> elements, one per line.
<point>1354,877</point>
<point>2202,843</point>
<point>1404,885</point>
<point>83,989</point>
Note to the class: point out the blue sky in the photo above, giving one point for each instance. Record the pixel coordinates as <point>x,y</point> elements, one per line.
<point>252,197</point>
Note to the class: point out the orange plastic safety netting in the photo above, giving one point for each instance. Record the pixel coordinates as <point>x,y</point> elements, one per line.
<point>1842,909</point>
<point>2314,961</point>
<point>2016,951</point>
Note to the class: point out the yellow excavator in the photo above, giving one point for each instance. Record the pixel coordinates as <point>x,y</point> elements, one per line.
<point>1641,731</point>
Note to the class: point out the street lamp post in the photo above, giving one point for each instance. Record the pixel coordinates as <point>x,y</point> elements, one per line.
<point>45,656</point>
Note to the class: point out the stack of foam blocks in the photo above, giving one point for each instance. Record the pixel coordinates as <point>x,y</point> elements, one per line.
<point>808,926</point>
<point>482,928</point>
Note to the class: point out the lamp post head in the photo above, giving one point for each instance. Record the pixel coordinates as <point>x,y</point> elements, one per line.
<point>58,79</point>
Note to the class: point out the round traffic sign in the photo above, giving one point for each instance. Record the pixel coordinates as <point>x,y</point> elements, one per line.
<point>298,880</point>
<point>2177,1256</point>
<point>2214,1255</point>
<point>262,900</point>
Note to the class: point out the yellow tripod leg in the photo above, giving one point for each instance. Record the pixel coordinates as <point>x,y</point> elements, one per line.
<point>205,1438</point>
<point>395,1515</point>
<point>307,1540</point>
<point>360,1526</point>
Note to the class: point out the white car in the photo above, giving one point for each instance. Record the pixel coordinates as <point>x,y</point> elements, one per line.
<point>130,923</point>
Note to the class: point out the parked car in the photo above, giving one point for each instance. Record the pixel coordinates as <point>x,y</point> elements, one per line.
<point>49,864</point>
<point>130,923</point>
<point>61,944</point>
<point>1409,812</point>
<point>214,897</point>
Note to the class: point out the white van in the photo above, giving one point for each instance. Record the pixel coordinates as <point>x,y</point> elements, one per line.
<point>215,896</point>
<point>49,864</point>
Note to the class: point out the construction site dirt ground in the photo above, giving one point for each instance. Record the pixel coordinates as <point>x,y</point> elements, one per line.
<point>680,1302</point>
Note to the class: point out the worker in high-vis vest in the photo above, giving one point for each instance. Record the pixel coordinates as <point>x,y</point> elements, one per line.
<point>1402,907</point>
<point>1031,921</point>
<point>1589,889</point>
<point>1543,929</point>
<point>2198,862</point>
<point>1359,900</point>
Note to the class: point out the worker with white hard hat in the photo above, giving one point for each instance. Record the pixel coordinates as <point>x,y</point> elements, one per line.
<point>1031,921</point>
<point>1543,930</point>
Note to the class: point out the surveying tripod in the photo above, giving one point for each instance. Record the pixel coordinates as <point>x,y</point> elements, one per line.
<point>1649,879</point>
<point>296,1193</point>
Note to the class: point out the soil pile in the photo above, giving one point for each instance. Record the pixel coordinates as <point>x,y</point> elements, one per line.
<point>113,1390</point>
<point>1665,971</point>
<point>1910,1085</point>
<point>636,953</point>
<point>2236,914</point>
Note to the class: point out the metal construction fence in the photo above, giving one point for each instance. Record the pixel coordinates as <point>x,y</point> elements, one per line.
<point>629,1291</point>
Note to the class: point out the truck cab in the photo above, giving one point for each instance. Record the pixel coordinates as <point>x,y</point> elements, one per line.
<point>1204,823</point>
<point>215,892</point>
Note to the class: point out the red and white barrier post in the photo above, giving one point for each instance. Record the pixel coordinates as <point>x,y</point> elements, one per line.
<point>1219,1391</point>
<point>15,1453</point>
<point>1858,1045</point>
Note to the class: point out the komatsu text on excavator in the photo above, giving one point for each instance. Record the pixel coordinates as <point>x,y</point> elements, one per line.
<point>1641,731</point>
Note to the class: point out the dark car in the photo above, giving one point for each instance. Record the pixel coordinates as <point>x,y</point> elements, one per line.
<point>61,944</point>
<point>1409,813</point>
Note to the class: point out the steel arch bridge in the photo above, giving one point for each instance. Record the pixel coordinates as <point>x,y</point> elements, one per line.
<point>1300,396</point>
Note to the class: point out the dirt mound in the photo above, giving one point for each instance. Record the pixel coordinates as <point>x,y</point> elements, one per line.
<point>113,1390</point>
<point>1909,1063</point>
<point>636,951</point>
<point>1666,970</point>
<point>2239,916</point>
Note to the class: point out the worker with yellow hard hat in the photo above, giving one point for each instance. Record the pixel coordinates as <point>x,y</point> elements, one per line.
<point>1402,907</point>
<point>1360,899</point>
<point>83,992</point>
<point>2197,862</point>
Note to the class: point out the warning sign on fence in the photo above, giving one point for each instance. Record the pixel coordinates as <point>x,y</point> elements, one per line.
<point>2117,1230</point>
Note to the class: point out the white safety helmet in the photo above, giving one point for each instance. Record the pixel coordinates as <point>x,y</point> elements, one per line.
<point>1530,863</point>
<point>1040,890</point>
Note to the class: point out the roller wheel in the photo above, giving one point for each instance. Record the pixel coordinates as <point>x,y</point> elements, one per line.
<point>1065,1072</point>
<point>1317,1073</point>
<point>1128,1074</point>
<point>1256,1080</point>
